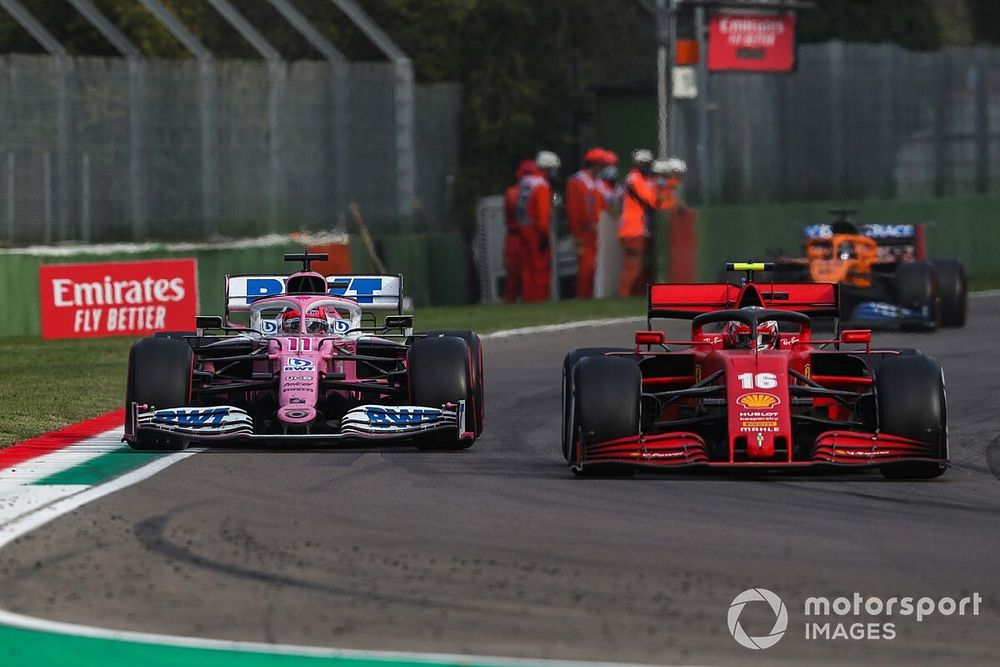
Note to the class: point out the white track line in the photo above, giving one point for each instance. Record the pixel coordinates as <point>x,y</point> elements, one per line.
<point>546,328</point>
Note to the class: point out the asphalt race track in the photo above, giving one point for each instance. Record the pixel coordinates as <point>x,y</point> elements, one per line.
<point>500,551</point>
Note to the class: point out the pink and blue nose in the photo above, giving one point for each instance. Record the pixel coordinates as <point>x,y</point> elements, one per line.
<point>296,414</point>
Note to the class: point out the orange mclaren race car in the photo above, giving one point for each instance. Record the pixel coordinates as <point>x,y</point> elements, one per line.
<point>885,277</point>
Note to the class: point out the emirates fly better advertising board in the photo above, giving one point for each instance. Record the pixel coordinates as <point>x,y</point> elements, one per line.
<point>118,298</point>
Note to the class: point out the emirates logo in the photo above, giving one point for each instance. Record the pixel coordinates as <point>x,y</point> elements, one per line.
<point>758,401</point>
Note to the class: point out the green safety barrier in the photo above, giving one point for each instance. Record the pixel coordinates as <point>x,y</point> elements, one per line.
<point>967,228</point>
<point>433,267</point>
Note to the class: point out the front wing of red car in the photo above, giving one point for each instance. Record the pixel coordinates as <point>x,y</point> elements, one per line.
<point>684,449</point>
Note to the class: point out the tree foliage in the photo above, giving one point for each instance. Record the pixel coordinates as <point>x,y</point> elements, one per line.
<point>909,23</point>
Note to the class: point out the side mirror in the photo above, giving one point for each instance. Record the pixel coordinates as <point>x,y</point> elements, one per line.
<point>207,322</point>
<point>398,322</point>
<point>862,336</point>
<point>650,338</point>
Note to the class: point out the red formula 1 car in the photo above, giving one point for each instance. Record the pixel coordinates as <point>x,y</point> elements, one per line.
<point>745,392</point>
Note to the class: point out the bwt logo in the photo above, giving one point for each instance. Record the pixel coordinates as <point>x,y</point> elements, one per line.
<point>402,416</point>
<point>780,620</point>
<point>192,417</point>
<point>363,290</point>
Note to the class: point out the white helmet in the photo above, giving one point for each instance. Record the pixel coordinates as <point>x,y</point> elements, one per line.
<point>642,155</point>
<point>546,160</point>
<point>676,165</point>
<point>661,167</point>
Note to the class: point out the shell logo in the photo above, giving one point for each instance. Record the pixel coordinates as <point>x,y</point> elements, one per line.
<point>758,401</point>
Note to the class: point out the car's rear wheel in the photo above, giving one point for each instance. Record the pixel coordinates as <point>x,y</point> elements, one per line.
<point>916,288</point>
<point>910,393</point>
<point>159,375</point>
<point>440,372</point>
<point>606,397</point>
<point>953,290</point>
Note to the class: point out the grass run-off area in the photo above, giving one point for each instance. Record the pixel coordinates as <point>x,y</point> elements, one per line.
<point>49,384</point>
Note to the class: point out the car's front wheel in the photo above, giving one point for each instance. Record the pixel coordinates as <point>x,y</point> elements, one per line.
<point>440,372</point>
<point>606,398</point>
<point>910,395</point>
<point>159,375</point>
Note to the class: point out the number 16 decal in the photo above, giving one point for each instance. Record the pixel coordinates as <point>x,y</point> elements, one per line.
<point>758,380</point>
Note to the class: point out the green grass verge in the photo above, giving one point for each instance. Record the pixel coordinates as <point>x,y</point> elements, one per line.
<point>49,384</point>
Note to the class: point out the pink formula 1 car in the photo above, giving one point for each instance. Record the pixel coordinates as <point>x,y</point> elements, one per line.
<point>308,365</point>
<point>751,388</point>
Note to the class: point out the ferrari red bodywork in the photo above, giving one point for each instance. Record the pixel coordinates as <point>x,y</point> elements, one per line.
<point>806,403</point>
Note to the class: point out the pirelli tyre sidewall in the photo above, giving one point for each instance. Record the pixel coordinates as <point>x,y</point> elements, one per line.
<point>569,363</point>
<point>159,374</point>
<point>607,395</point>
<point>440,371</point>
<point>476,410</point>
<point>916,287</point>
<point>911,402</point>
<point>953,290</point>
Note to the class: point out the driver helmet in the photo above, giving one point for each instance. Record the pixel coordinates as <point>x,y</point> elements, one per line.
<point>316,320</point>
<point>737,335</point>
<point>846,250</point>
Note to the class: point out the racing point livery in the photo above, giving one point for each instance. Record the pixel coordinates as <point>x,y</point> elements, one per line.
<point>310,366</point>
<point>751,388</point>
<point>886,279</point>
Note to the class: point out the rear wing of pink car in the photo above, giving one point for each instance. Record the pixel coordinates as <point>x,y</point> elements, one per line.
<point>371,292</point>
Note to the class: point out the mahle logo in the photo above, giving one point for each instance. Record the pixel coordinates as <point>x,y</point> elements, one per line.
<point>780,618</point>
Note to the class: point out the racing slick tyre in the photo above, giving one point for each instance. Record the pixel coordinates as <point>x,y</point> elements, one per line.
<point>569,362</point>
<point>917,288</point>
<point>909,390</point>
<point>953,290</point>
<point>476,410</point>
<point>440,371</point>
<point>159,374</point>
<point>606,396</point>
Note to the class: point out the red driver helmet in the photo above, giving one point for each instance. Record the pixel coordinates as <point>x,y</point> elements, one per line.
<point>737,335</point>
<point>316,320</point>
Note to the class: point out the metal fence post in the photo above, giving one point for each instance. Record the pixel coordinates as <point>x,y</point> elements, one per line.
<point>11,194</point>
<point>136,100</point>
<point>63,67</point>
<point>835,53</point>
<point>403,98</point>
<point>704,177</point>
<point>339,95</point>
<point>206,103</point>
<point>982,121</point>
<point>85,198</point>
<point>47,196</point>
<point>275,101</point>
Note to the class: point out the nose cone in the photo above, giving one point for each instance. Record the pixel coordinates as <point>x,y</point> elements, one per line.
<point>297,414</point>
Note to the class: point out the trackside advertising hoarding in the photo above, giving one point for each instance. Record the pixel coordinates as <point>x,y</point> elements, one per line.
<point>118,298</point>
<point>751,42</point>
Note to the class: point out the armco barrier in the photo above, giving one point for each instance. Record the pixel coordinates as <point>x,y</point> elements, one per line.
<point>433,267</point>
<point>963,227</point>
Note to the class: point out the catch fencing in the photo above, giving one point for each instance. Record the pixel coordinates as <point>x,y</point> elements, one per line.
<point>108,149</point>
<point>853,121</point>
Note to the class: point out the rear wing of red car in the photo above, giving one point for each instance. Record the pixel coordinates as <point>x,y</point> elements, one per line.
<point>685,300</point>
